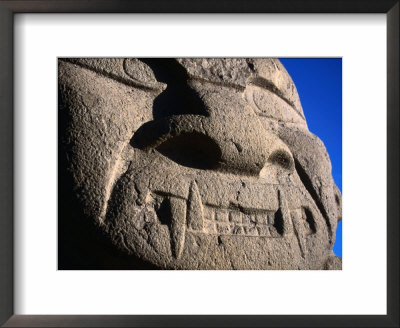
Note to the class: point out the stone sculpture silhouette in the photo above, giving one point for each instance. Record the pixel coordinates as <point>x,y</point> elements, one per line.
<point>192,164</point>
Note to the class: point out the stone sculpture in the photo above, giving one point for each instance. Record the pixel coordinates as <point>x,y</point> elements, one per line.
<point>193,164</point>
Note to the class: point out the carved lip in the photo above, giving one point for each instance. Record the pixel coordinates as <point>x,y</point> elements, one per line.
<point>220,193</point>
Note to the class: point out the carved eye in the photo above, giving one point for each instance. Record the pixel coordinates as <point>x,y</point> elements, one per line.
<point>267,103</point>
<point>282,158</point>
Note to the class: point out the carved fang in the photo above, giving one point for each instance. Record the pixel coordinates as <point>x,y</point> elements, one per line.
<point>299,232</point>
<point>178,225</point>
<point>195,214</point>
<point>287,224</point>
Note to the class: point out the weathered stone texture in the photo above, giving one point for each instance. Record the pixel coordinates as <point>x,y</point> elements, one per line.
<point>197,163</point>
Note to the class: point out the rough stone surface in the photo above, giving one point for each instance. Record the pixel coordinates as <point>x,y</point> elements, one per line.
<point>190,164</point>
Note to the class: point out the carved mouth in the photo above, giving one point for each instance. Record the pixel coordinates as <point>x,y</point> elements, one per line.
<point>189,214</point>
<point>174,207</point>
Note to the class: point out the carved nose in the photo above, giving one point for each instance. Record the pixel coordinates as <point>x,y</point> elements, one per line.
<point>241,146</point>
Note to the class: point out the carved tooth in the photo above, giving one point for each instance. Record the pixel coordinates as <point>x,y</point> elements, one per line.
<point>209,213</point>
<point>287,224</point>
<point>263,231</point>
<point>210,227</point>
<point>299,232</point>
<point>235,217</point>
<point>195,215</point>
<point>237,230</point>
<point>178,225</point>
<point>253,231</point>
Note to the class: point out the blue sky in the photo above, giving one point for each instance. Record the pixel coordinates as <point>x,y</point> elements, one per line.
<point>319,84</point>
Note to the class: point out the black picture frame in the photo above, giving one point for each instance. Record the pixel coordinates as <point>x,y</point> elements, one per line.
<point>11,7</point>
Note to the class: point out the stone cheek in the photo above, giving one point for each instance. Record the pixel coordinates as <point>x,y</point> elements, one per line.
<point>198,163</point>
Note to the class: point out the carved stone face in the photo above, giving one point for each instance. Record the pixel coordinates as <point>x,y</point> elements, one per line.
<point>199,163</point>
